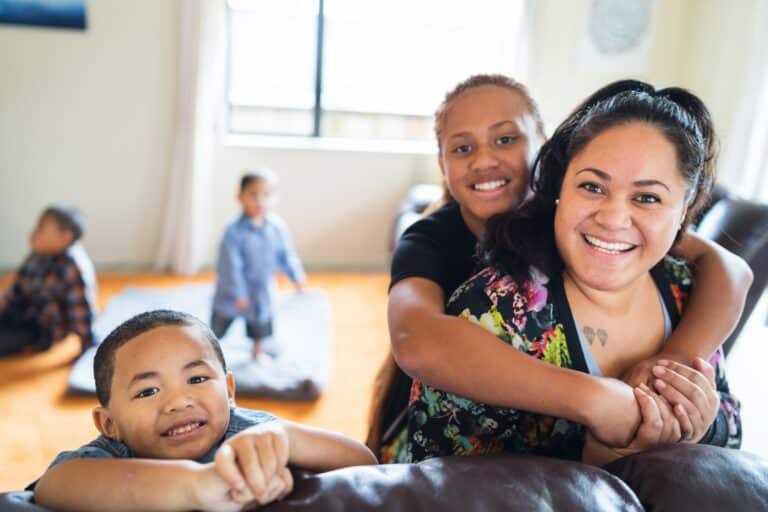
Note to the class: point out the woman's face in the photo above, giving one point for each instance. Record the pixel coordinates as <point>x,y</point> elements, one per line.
<point>621,204</point>
<point>488,140</point>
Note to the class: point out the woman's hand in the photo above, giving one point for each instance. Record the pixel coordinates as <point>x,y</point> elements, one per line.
<point>692,393</point>
<point>658,427</point>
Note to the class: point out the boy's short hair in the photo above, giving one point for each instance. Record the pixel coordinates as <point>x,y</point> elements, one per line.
<point>264,174</point>
<point>104,362</point>
<point>67,218</point>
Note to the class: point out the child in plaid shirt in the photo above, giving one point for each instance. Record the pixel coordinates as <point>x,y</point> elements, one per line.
<point>53,293</point>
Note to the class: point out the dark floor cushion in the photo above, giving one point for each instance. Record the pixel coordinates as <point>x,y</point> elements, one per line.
<point>301,341</point>
<point>696,477</point>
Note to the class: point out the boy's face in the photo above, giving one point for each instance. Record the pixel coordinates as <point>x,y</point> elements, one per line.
<point>255,198</point>
<point>48,238</point>
<point>170,397</point>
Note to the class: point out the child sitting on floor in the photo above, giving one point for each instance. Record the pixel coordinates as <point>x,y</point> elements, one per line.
<point>53,293</point>
<point>254,248</point>
<point>172,436</point>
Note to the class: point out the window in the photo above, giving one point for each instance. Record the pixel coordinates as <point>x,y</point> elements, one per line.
<point>360,68</point>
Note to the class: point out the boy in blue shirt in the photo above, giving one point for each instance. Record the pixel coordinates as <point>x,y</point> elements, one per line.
<point>172,437</point>
<point>255,246</point>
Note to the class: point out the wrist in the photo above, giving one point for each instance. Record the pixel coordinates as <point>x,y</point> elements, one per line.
<point>192,479</point>
<point>587,396</point>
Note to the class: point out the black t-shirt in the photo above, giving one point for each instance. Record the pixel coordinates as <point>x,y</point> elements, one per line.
<point>439,247</point>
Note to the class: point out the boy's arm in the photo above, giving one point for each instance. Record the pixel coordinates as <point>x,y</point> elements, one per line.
<point>133,484</point>
<point>713,309</point>
<point>322,450</point>
<point>288,259</point>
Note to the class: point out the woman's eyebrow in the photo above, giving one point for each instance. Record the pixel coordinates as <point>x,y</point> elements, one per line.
<point>607,177</point>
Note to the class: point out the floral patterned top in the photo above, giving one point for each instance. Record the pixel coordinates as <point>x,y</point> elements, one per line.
<point>534,317</point>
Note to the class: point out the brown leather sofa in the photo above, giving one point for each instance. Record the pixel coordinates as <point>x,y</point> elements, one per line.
<point>678,478</point>
<point>675,479</point>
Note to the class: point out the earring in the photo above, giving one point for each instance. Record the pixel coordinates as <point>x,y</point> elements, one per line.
<point>557,201</point>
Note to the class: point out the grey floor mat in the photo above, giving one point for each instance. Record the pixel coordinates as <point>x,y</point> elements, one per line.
<point>301,341</point>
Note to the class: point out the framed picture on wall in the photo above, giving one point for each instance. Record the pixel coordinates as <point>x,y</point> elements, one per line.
<point>67,14</point>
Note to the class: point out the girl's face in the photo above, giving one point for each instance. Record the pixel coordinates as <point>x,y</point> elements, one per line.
<point>621,204</point>
<point>488,140</point>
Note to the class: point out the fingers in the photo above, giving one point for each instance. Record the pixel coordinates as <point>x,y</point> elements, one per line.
<point>638,374</point>
<point>650,427</point>
<point>227,468</point>
<point>704,379</point>
<point>250,463</point>
<point>670,431</point>
<point>692,390</point>
<point>687,430</point>
<point>706,369</point>
<point>678,389</point>
<point>278,488</point>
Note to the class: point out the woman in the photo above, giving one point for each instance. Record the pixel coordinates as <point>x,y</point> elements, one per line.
<point>489,127</point>
<point>613,189</point>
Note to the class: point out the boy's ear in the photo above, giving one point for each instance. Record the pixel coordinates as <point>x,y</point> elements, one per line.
<point>105,424</point>
<point>231,389</point>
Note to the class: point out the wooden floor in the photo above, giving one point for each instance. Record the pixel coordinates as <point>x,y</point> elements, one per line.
<point>38,419</point>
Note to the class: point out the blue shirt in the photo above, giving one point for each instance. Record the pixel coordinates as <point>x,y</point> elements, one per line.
<point>249,259</point>
<point>104,447</point>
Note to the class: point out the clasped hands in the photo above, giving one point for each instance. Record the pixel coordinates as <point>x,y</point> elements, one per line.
<point>676,402</point>
<point>249,469</point>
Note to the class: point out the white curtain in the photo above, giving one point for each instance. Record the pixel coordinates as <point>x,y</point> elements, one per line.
<point>201,80</point>
<point>745,159</point>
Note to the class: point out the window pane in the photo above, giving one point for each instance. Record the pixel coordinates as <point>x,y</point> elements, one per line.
<point>272,65</point>
<point>400,56</point>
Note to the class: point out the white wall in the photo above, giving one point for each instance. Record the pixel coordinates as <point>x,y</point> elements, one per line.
<point>86,118</point>
<point>339,205</point>
<point>96,109</point>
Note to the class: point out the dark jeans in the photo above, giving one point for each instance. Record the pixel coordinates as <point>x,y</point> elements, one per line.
<point>15,335</point>
<point>257,332</point>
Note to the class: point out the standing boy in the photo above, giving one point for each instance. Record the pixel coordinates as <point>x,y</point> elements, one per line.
<point>254,248</point>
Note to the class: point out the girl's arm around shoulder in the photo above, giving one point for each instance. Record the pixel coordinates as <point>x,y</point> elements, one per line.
<point>322,450</point>
<point>715,304</point>
<point>458,356</point>
<point>132,484</point>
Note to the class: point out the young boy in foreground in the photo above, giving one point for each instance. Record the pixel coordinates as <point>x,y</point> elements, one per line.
<point>172,436</point>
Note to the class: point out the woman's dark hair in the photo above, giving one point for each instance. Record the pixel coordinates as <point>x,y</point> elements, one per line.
<point>517,239</point>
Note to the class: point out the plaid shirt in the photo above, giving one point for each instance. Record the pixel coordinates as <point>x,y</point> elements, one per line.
<point>50,291</point>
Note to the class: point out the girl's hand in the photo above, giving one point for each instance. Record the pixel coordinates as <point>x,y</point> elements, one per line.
<point>692,393</point>
<point>641,373</point>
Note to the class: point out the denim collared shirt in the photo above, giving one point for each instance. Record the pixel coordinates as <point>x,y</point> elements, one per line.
<point>249,258</point>
<point>105,448</point>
